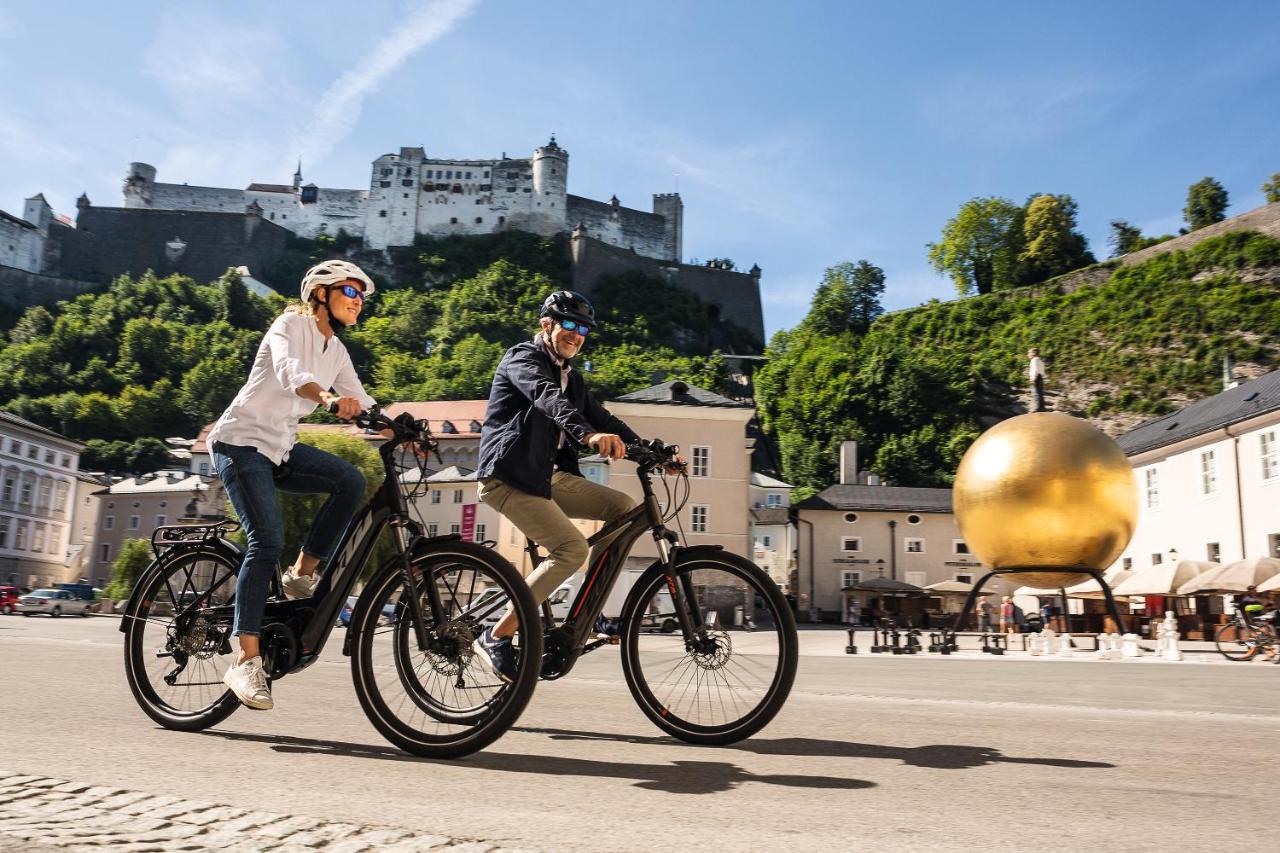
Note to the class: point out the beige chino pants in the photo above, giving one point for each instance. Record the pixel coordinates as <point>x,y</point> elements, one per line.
<point>547,522</point>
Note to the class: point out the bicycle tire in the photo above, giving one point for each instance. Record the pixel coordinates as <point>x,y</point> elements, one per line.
<point>664,703</point>
<point>204,640</point>
<point>1235,641</point>
<point>444,720</point>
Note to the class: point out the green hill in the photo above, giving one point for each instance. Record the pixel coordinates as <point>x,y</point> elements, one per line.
<point>921,384</point>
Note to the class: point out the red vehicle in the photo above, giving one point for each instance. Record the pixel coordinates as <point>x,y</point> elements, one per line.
<point>8,600</point>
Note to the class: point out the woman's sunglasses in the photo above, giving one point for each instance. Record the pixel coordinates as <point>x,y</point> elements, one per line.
<point>573,326</point>
<point>351,291</point>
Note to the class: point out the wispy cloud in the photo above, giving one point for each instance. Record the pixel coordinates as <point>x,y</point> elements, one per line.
<point>338,109</point>
<point>208,64</point>
<point>1003,112</point>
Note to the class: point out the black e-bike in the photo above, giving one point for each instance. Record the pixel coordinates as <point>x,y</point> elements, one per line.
<point>708,642</point>
<point>409,637</point>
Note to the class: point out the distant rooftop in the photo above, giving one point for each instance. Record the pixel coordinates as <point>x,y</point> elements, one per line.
<point>1245,401</point>
<point>900,498</point>
<point>14,420</point>
<point>764,481</point>
<point>680,393</point>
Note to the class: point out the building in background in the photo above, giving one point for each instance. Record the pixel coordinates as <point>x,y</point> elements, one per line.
<point>38,478</point>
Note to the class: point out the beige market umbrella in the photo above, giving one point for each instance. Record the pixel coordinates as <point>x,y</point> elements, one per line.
<point>949,588</point>
<point>1164,579</point>
<point>1271,583</point>
<point>1091,588</point>
<point>1234,577</point>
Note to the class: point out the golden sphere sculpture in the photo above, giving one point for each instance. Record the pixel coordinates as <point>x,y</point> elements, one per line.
<point>1046,491</point>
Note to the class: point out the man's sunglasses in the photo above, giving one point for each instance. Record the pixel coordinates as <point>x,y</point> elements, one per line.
<point>573,326</point>
<point>350,291</point>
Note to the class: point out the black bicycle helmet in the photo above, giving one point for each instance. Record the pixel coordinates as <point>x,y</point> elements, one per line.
<point>565,304</point>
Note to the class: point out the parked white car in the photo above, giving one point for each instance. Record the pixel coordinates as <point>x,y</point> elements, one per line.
<point>54,602</point>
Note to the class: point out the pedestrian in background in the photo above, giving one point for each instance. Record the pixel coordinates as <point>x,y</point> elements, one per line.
<point>984,615</point>
<point>1008,624</point>
<point>1035,372</point>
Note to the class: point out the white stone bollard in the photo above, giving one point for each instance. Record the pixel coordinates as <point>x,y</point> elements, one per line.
<point>1036,644</point>
<point>1131,648</point>
<point>1109,647</point>
<point>1168,645</point>
<point>1065,650</point>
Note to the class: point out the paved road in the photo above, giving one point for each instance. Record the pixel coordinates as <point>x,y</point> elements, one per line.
<point>871,753</point>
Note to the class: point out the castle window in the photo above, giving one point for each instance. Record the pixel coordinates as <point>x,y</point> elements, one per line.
<point>479,220</point>
<point>404,213</point>
<point>406,195</point>
<point>468,176</point>
<point>485,188</point>
<point>453,220</point>
<point>384,184</point>
<point>284,216</point>
<point>382,213</point>
<point>273,216</point>
<point>513,175</point>
<point>502,220</point>
<point>309,194</point>
<point>406,183</point>
<point>457,188</point>
<point>511,189</point>
<point>553,171</point>
<point>439,174</point>
<point>528,189</point>
<point>486,173</point>
<point>386,171</point>
<point>449,174</point>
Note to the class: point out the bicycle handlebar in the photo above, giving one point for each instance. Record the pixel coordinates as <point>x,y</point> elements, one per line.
<point>653,453</point>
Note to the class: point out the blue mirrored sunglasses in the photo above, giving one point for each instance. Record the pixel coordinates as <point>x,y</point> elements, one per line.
<point>351,291</point>
<point>573,326</point>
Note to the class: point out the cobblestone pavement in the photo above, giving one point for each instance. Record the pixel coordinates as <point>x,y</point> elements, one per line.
<point>39,814</point>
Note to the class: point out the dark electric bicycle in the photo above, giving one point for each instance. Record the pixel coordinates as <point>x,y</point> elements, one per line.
<point>409,637</point>
<point>709,647</point>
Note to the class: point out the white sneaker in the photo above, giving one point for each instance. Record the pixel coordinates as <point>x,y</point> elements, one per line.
<point>299,586</point>
<point>249,682</point>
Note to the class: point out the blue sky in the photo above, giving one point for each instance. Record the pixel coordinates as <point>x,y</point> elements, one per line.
<point>803,134</point>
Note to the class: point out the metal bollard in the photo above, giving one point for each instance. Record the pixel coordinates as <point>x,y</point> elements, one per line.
<point>852,648</point>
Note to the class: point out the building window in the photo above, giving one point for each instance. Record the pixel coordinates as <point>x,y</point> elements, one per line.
<point>773,500</point>
<point>766,541</point>
<point>457,496</point>
<point>406,183</point>
<point>162,520</point>
<point>386,170</point>
<point>959,546</point>
<point>850,578</point>
<point>49,457</point>
<point>104,553</point>
<point>1273,541</point>
<point>1214,551</point>
<point>1208,473</point>
<point>502,220</point>
<point>1157,558</point>
<point>38,540</point>
<point>382,213</point>
<point>964,578</point>
<point>204,469</point>
<point>66,461</point>
<point>701,460</point>
<point>453,220</point>
<point>479,532</point>
<point>455,529</point>
<point>46,491</point>
<point>33,452</point>
<point>20,536</point>
<point>60,498</point>
<point>135,521</point>
<point>913,546</point>
<point>433,529</point>
<point>109,522</point>
<point>1127,564</point>
<point>1270,455</point>
<point>15,447</point>
<point>1153,488</point>
<point>913,519</point>
<point>4,531</point>
<point>698,519</point>
<point>435,496</point>
<point>6,493</point>
<point>25,494</point>
<point>851,544</point>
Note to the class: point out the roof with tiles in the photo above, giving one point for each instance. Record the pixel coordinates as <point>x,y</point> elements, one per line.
<point>1247,400</point>
<point>680,393</point>
<point>888,498</point>
<point>771,515</point>
<point>14,420</point>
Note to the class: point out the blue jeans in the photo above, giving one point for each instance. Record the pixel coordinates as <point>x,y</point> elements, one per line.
<point>251,481</point>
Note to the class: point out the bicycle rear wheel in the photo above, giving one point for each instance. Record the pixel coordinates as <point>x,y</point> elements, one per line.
<point>1238,642</point>
<point>177,643</point>
<point>442,702</point>
<point>738,674</point>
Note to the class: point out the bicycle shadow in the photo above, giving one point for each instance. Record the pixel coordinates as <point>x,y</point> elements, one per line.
<point>677,777</point>
<point>935,756</point>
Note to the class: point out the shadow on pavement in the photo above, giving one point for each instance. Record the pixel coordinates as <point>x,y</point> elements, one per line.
<point>677,777</point>
<point>937,756</point>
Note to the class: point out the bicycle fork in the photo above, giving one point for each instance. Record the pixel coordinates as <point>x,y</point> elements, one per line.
<point>681,589</point>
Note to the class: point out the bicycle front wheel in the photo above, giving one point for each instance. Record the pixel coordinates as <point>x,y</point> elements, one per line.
<point>1236,641</point>
<point>734,678</point>
<point>442,702</point>
<point>177,643</point>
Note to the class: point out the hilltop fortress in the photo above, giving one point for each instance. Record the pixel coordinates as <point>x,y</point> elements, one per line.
<point>410,194</point>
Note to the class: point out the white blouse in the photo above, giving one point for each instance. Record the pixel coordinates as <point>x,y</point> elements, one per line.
<point>266,411</point>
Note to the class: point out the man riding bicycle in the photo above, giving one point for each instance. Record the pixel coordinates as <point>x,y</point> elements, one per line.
<point>539,413</point>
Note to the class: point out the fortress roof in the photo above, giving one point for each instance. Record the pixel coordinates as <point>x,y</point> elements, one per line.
<point>16,220</point>
<point>270,188</point>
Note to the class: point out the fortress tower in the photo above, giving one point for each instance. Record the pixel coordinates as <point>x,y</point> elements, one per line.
<point>671,209</point>
<point>550,189</point>
<point>137,185</point>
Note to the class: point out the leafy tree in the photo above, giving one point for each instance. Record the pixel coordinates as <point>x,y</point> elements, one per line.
<point>36,323</point>
<point>1271,189</point>
<point>1206,203</point>
<point>1124,238</point>
<point>133,559</point>
<point>209,387</point>
<point>980,246</point>
<point>123,457</point>
<point>1051,243</point>
<point>240,308</point>
<point>149,411</point>
<point>848,299</point>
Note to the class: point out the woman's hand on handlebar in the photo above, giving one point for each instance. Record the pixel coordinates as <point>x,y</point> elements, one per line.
<point>344,407</point>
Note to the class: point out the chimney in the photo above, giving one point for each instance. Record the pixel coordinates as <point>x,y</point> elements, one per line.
<point>848,463</point>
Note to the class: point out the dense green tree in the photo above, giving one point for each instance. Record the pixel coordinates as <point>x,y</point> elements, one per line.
<point>848,299</point>
<point>1206,203</point>
<point>134,557</point>
<point>980,246</point>
<point>1271,189</point>
<point>209,387</point>
<point>36,324</point>
<point>1051,244</point>
<point>150,410</point>
<point>1124,238</point>
<point>124,457</point>
<point>240,308</point>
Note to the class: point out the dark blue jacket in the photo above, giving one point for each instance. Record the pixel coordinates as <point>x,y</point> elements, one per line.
<point>527,410</point>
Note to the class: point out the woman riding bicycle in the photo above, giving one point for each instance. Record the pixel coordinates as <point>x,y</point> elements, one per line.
<point>255,452</point>
<point>539,413</point>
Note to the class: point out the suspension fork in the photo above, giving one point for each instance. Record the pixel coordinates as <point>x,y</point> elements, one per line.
<point>683,597</point>
<point>433,594</point>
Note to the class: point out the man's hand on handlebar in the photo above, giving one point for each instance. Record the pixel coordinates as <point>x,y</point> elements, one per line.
<point>675,466</point>
<point>607,444</point>
<point>344,407</point>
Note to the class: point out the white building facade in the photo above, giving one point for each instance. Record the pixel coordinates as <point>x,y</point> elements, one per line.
<point>37,502</point>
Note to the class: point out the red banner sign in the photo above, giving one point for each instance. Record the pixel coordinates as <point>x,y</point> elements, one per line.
<point>468,522</point>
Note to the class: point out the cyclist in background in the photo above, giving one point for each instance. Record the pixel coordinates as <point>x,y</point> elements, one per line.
<point>255,451</point>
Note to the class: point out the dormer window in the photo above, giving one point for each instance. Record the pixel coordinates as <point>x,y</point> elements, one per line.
<point>475,425</point>
<point>309,195</point>
<point>449,428</point>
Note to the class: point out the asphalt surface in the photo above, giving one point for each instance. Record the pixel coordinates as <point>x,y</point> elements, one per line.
<point>872,752</point>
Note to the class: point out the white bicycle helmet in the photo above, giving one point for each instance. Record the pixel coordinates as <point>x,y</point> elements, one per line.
<point>326,273</point>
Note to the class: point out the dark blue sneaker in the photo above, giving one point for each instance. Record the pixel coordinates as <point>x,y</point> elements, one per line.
<point>497,653</point>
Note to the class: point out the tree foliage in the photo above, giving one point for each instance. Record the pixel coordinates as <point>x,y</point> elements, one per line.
<point>133,559</point>
<point>1051,245</point>
<point>1271,189</point>
<point>980,246</point>
<point>1206,203</point>
<point>848,299</point>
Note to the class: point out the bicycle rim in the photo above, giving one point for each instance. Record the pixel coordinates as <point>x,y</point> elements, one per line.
<point>177,647</point>
<point>732,684</point>
<point>443,702</point>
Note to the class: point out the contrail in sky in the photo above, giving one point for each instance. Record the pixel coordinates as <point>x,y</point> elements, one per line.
<point>339,107</point>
